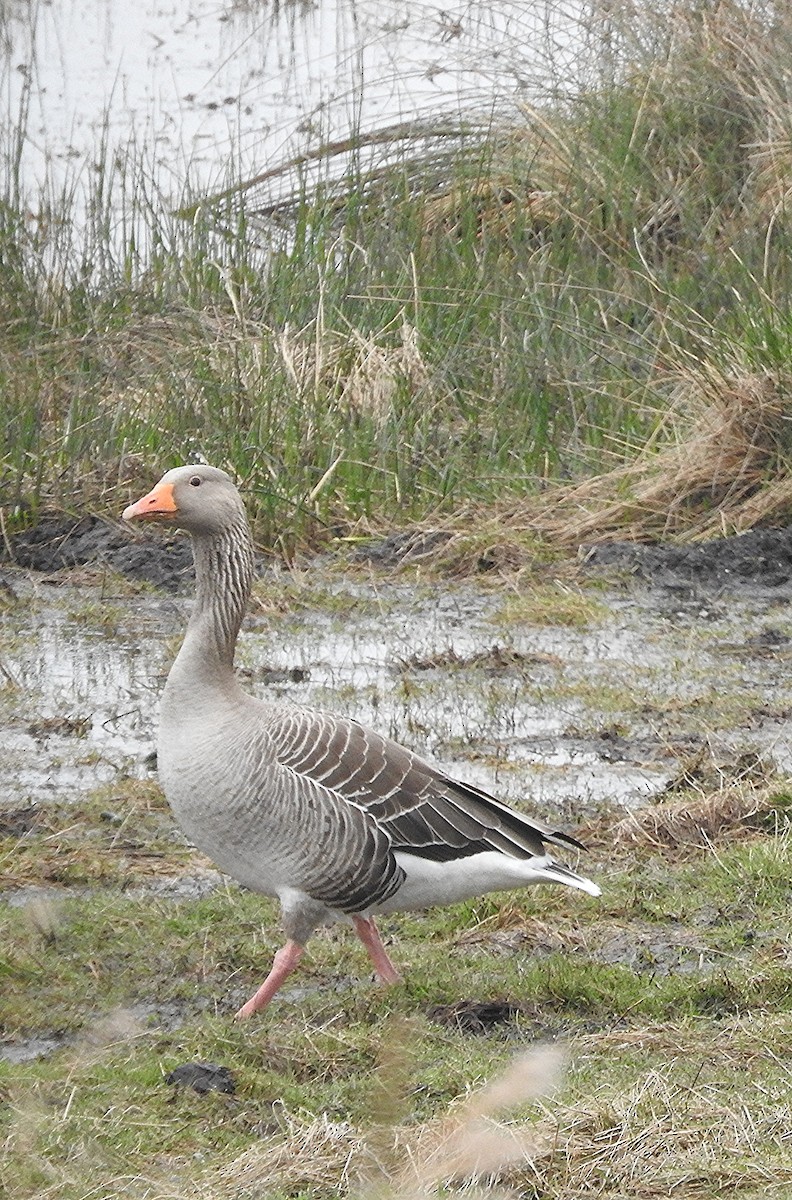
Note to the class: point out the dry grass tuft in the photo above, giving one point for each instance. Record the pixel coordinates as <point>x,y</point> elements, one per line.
<point>497,204</point>
<point>662,1138</point>
<point>733,812</point>
<point>716,466</point>
<point>673,1131</point>
<point>711,480</point>
<point>309,1151</point>
<point>403,1162</point>
<point>362,372</point>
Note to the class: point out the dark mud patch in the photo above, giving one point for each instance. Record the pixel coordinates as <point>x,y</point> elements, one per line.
<point>476,1016</point>
<point>762,557</point>
<point>203,1078</point>
<point>16,822</point>
<point>511,1019</point>
<point>59,542</point>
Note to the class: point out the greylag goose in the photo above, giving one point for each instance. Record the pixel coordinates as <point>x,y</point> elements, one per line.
<point>336,821</point>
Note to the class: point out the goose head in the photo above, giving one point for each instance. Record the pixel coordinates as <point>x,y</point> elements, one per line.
<point>201,500</point>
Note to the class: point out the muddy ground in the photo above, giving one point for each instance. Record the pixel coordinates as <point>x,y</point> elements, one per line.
<point>762,557</point>
<point>602,700</point>
<point>58,543</point>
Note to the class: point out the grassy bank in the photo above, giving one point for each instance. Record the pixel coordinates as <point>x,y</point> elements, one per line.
<point>446,337</point>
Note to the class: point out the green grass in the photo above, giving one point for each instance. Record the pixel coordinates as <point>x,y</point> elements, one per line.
<point>553,605</point>
<point>667,991</point>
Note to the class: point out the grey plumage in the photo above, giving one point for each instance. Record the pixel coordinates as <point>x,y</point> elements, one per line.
<point>335,820</point>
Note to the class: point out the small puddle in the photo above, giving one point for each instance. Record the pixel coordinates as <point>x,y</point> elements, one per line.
<point>29,1049</point>
<point>79,704</point>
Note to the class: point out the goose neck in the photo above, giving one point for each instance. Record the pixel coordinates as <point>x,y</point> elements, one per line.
<point>223,578</point>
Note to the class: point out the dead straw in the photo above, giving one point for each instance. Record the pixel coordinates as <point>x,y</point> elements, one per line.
<point>400,1161</point>
<point>713,478</point>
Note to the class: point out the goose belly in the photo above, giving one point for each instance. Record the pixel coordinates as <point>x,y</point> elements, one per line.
<point>222,808</point>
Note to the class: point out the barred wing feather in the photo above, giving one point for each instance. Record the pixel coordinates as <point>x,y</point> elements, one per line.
<point>424,811</point>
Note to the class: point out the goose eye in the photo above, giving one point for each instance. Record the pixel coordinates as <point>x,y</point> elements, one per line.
<point>195,481</point>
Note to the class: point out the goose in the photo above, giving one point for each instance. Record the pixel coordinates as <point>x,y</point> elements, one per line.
<point>335,821</point>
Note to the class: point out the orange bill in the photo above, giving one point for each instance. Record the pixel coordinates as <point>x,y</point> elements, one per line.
<point>158,502</point>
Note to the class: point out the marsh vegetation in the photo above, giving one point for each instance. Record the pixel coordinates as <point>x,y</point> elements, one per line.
<point>592,284</point>
<point>658,732</point>
<point>570,321</point>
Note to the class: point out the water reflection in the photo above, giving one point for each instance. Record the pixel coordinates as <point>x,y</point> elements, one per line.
<point>564,719</point>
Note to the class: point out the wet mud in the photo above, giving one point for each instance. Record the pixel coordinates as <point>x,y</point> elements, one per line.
<point>203,1077</point>
<point>616,711</point>
<point>762,557</point>
<point>58,543</point>
<point>476,1016</point>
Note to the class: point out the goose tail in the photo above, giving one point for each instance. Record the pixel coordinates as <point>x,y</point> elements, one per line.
<point>556,872</point>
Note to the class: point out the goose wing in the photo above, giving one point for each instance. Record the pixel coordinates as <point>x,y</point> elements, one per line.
<point>424,811</point>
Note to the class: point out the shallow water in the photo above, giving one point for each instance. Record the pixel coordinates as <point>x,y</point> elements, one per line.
<point>80,700</point>
<point>204,85</point>
<point>560,720</point>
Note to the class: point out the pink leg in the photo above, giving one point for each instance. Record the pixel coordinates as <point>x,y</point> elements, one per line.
<point>283,964</point>
<point>369,936</point>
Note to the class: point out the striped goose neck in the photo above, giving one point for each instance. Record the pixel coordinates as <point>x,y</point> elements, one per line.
<point>223,578</point>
